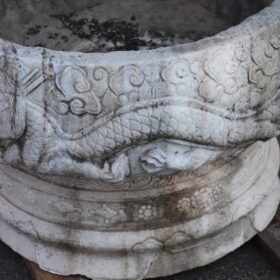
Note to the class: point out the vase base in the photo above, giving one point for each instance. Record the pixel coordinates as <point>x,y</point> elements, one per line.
<point>250,192</point>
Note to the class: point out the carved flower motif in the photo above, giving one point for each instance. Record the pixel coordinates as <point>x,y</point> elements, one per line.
<point>201,199</point>
<point>184,204</point>
<point>217,193</point>
<point>146,212</point>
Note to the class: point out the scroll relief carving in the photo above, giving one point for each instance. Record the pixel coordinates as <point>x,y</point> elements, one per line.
<point>88,119</point>
<point>178,242</point>
<point>185,205</point>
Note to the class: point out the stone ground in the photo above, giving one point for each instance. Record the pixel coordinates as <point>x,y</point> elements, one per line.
<point>246,263</point>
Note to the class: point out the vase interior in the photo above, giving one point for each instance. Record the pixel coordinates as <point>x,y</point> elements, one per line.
<point>118,25</point>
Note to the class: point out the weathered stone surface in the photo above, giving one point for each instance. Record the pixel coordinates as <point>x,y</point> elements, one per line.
<point>151,232</point>
<point>73,113</point>
<point>128,165</point>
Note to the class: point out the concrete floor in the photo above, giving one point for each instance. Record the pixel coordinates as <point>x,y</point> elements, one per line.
<point>246,263</point>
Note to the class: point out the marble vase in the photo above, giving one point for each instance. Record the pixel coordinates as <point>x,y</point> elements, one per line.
<point>142,163</point>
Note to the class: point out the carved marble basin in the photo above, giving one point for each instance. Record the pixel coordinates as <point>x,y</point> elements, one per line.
<point>134,135</point>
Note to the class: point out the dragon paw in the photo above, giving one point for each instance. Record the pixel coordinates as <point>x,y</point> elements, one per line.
<point>118,170</point>
<point>154,160</point>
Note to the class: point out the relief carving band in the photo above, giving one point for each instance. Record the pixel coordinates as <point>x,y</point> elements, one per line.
<point>88,119</point>
<point>134,136</point>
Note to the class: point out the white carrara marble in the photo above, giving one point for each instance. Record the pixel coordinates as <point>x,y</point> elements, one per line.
<point>141,163</point>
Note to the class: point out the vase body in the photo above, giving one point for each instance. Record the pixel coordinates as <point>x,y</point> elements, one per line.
<point>139,164</point>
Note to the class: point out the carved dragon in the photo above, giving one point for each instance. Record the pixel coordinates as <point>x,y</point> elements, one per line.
<point>176,131</point>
